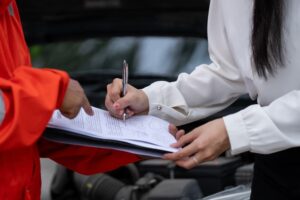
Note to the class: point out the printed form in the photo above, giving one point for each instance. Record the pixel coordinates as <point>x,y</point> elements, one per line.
<point>144,130</point>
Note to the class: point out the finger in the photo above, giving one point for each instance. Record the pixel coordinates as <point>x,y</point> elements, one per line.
<point>71,114</point>
<point>129,112</point>
<point>173,129</point>
<point>65,114</point>
<point>108,103</point>
<point>185,139</point>
<point>116,112</point>
<point>87,106</point>
<point>115,115</point>
<point>179,134</point>
<point>115,89</point>
<point>182,153</point>
<point>123,102</point>
<point>189,163</point>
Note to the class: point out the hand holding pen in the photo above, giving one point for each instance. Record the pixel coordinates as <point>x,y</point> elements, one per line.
<point>123,100</point>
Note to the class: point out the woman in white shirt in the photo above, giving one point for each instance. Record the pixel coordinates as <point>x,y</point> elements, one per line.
<point>254,47</point>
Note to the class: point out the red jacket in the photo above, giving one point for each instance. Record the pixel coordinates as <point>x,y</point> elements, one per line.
<point>30,96</point>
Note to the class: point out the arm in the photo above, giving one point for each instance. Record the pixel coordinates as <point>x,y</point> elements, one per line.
<point>208,89</point>
<point>266,129</point>
<point>28,100</point>
<point>257,129</point>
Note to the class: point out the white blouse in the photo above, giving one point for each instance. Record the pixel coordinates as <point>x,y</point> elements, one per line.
<point>269,126</point>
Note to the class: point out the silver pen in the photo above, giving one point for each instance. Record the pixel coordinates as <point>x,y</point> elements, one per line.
<point>124,84</point>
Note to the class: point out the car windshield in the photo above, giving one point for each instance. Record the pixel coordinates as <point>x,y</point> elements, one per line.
<point>146,55</point>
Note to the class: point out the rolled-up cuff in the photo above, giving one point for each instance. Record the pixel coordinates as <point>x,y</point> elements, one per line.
<point>237,133</point>
<point>63,85</point>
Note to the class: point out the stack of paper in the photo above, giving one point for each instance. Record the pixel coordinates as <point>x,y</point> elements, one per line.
<point>144,135</point>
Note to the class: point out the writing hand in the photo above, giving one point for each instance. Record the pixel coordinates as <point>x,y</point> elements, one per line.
<point>135,101</point>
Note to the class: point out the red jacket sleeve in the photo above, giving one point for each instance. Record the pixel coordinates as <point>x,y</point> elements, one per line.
<point>85,160</point>
<point>30,97</point>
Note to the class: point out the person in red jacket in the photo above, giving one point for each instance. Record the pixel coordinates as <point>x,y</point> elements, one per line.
<point>28,96</point>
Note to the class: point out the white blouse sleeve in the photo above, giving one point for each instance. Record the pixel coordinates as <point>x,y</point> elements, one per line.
<point>266,129</point>
<point>208,89</point>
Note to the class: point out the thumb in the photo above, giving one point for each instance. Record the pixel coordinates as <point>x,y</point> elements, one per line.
<point>122,103</point>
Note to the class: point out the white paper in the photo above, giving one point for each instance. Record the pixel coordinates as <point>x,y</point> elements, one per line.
<point>146,131</point>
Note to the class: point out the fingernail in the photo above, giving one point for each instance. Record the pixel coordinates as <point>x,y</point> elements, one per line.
<point>92,111</point>
<point>174,145</point>
<point>130,113</point>
<point>116,106</point>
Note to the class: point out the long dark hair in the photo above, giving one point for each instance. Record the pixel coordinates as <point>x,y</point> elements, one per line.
<point>267,47</point>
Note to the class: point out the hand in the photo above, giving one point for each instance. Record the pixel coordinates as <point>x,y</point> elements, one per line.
<point>175,132</point>
<point>204,143</point>
<point>135,101</point>
<point>74,99</point>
